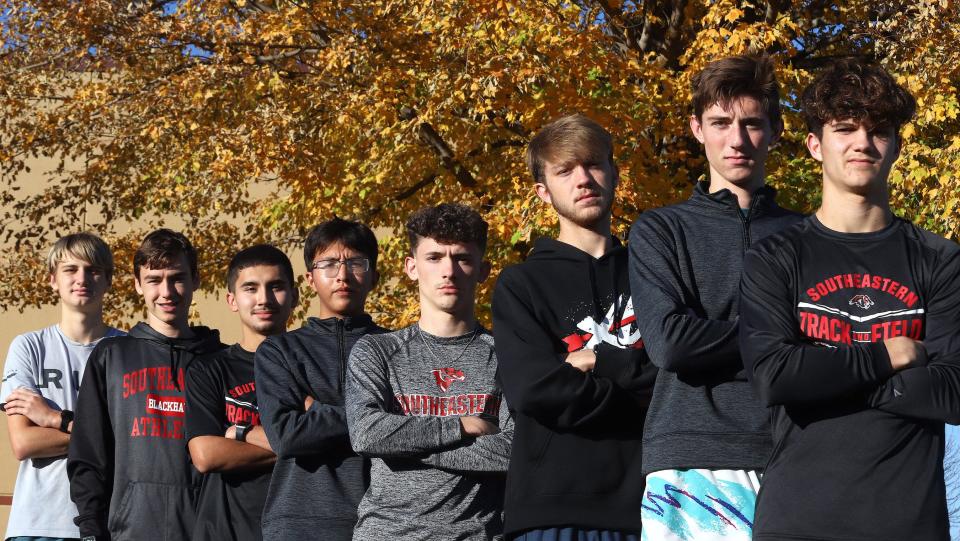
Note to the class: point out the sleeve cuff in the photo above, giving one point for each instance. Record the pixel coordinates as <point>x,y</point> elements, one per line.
<point>612,363</point>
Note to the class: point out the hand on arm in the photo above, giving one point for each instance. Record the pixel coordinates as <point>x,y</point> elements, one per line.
<point>34,427</point>
<point>222,454</point>
<point>535,377</point>
<point>583,360</point>
<point>677,338</point>
<point>784,366</point>
<point>485,453</point>
<point>929,387</point>
<point>293,428</point>
<point>375,430</point>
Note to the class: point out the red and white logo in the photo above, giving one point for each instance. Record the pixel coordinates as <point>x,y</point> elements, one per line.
<point>863,301</point>
<point>446,376</point>
<point>622,334</point>
<point>165,405</point>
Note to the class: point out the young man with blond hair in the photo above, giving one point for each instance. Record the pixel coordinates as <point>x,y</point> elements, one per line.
<point>227,443</point>
<point>41,379</point>
<point>707,437</point>
<point>849,332</point>
<point>423,402</point>
<point>572,363</point>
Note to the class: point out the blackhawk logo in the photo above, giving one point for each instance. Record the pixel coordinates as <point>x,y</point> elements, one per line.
<point>863,301</point>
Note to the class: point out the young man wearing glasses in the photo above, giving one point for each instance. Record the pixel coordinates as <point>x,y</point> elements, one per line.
<point>318,480</point>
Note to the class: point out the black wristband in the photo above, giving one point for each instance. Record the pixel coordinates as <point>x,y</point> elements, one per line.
<point>240,434</point>
<point>66,417</point>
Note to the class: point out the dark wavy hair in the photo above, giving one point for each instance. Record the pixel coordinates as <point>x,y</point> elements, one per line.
<point>161,248</point>
<point>726,79</point>
<point>447,222</point>
<point>859,90</point>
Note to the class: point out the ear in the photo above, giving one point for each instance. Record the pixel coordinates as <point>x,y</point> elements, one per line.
<point>53,282</point>
<point>813,146</point>
<point>374,278</point>
<point>137,286</point>
<point>484,271</point>
<point>696,127</point>
<point>196,283</point>
<point>543,192</point>
<point>410,268</point>
<point>295,292</point>
<point>232,302</point>
<point>313,285</point>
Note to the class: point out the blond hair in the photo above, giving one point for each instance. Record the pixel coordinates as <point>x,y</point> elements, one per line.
<point>569,139</point>
<point>84,246</point>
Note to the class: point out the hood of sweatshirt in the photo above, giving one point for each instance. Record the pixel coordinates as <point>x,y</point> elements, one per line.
<point>605,276</point>
<point>182,350</point>
<point>361,322</point>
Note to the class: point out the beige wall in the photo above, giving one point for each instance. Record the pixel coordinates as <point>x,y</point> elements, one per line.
<point>213,313</point>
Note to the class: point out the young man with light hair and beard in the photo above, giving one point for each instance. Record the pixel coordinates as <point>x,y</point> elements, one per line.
<point>318,480</point>
<point>226,440</point>
<point>707,436</point>
<point>850,334</point>
<point>40,382</point>
<point>423,402</point>
<point>130,474</point>
<point>572,363</point>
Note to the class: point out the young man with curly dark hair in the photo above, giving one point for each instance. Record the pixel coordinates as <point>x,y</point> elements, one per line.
<point>849,333</point>
<point>572,362</point>
<point>423,402</point>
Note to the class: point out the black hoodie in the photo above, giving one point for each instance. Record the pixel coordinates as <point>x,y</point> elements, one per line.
<point>130,473</point>
<point>318,480</point>
<point>576,446</point>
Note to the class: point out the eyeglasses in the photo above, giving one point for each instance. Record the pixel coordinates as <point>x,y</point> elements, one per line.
<point>331,267</point>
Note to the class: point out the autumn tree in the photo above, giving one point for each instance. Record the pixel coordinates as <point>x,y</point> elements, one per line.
<point>245,121</point>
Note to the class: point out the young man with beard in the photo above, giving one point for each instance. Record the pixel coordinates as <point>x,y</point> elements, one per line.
<point>40,383</point>
<point>707,437</point>
<point>318,480</point>
<point>224,435</point>
<point>130,474</point>
<point>572,363</point>
<point>423,402</point>
<point>849,332</point>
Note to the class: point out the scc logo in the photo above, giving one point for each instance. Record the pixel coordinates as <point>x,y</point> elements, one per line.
<point>863,301</point>
<point>446,376</point>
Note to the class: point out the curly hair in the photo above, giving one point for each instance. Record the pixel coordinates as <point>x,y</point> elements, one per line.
<point>859,90</point>
<point>447,223</point>
<point>726,79</point>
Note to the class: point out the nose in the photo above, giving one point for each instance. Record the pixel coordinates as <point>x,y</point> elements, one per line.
<point>263,295</point>
<point>82,275</point>
<point>165,289</point>
<point>738,135</point>
<point>447,267</point>
<point>862,140</point>
<point>582,176</point>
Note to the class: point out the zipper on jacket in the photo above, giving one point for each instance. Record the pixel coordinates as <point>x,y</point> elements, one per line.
<point>340,348</point>
<point>745,222</point>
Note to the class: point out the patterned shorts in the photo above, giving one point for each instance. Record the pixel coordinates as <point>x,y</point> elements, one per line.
<point>699,505</point>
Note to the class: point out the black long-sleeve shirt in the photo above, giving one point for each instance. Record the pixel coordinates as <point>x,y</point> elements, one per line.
<point>858,448</point>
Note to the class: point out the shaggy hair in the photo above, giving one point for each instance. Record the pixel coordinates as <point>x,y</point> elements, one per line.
<point>161,248</point>
<point>858,90</point>
<point>569,139</point>
<point>724,80</point>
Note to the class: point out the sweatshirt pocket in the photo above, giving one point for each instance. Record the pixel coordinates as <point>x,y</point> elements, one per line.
<point>154,511</point>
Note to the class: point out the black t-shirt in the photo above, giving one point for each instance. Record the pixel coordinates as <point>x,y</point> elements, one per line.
<point>220,393</point>
<point>858,448</point>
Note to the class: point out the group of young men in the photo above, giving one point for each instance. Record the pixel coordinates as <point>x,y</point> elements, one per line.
<point>633,392</point>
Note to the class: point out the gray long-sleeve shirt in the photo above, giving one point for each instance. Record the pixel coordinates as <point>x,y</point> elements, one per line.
<point>405,394</point>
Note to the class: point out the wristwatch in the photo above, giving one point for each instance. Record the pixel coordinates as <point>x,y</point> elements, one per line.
<point>66,416</point>
<point>240,434</point>
<point>88,538</point>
